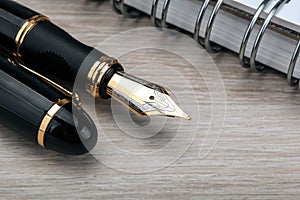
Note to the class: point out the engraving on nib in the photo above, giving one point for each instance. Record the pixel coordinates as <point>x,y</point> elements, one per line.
<point>162,103</point>
<point>142,97</point>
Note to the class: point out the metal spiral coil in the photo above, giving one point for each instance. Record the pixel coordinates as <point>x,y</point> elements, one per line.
<point>291,80</point>
<point>253,64</point>
<point>121,8</point>
<point>206,41</point>
<point>248,32</point>
<point>155,21</point>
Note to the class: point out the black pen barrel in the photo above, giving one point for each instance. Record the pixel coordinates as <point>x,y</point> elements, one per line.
<point>64,54</point>
<point>41,113</point>
<point>12,17</point>
<point>52,52</point>
<point>34,38</point>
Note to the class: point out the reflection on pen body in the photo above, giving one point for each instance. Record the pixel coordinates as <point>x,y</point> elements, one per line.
<point>35,41</point>
<point>42,113</point>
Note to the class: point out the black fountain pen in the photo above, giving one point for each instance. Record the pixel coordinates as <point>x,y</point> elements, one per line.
<point>42,113</point>
<point>35,41</point>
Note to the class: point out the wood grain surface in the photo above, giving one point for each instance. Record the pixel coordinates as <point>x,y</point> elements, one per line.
<point>256,154</point>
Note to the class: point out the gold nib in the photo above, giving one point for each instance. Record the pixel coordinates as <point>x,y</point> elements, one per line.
<point>143,97</point>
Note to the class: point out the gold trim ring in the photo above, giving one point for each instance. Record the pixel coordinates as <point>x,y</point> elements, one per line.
<point>47,119</point>
<point>97,72</point>
<point>25,29</point>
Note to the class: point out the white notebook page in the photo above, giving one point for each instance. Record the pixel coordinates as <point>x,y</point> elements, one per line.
<point>275,49</point>
<point>288,15</point>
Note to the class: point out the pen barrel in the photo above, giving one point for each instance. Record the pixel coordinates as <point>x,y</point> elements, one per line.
<point>12,17</point>
<point>41,44</point>
<point>51,51</point>
<point>54,53</point>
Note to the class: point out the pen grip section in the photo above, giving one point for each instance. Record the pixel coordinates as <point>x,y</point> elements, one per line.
<point>53,52</point>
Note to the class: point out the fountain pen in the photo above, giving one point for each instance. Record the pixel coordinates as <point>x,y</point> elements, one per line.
<point>35,41</point>
<point>42,113</point>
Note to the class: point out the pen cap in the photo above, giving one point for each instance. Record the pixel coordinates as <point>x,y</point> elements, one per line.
<point>26,107</point>
<point>27,103</point>
<point>71,131</point>
<point>28,79</point>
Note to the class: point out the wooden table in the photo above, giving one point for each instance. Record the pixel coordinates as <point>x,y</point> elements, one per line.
<point>256,154</point>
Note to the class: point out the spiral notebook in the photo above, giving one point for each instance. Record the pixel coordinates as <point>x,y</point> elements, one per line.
<point>263,33</point>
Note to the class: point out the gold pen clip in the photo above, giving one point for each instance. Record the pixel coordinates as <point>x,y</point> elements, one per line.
<point>72,96</point>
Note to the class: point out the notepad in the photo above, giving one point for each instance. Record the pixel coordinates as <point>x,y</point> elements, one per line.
<point>278,42</point>
<point>288,16</point>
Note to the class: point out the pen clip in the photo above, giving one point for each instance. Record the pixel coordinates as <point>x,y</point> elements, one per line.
<point>73,96</point>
